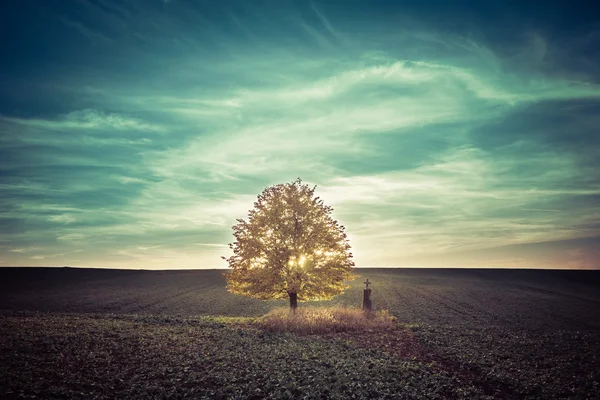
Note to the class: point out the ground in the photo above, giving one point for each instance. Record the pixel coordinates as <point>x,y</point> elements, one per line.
<point>71,333</point>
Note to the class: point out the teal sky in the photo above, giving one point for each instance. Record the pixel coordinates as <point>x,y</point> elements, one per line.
<point>134,133</point>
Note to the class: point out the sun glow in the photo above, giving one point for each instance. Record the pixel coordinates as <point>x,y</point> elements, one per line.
<point>297,261</point>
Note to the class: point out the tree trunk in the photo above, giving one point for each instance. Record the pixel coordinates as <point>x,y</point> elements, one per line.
<point>293,301</point>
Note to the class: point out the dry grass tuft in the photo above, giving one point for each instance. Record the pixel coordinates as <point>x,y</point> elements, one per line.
<point>322,320</point>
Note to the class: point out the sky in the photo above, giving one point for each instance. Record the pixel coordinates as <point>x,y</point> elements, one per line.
<point>133,133</point>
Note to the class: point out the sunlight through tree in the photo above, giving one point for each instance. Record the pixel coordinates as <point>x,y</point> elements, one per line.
<point>290,246</point>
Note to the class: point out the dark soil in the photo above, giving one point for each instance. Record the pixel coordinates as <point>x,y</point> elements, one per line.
<point>514,334</point>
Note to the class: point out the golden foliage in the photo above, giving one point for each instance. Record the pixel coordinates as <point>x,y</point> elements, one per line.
<point>289,244</point>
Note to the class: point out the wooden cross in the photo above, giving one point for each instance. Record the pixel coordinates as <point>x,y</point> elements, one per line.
<point>367,283</point>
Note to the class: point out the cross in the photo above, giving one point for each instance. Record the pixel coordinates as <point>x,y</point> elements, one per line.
<point>367,283</point>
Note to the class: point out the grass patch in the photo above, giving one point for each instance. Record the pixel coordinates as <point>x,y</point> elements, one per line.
<point>323,320</point>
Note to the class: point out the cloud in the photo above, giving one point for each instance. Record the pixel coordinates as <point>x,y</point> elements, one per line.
<point>88,119</point>
<point>56,255</point>
<point>329,116</point>
<point>24,250</point>
<point>125,180</point>
<point>461,200</point>
<point>64,218</point>
<point>72,237</point>
<point>86,31</point>
<point>324,20</point>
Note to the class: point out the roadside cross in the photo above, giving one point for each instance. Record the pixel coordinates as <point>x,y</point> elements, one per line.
<point>367,283</point>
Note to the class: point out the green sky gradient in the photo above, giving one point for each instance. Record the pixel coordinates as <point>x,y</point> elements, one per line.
<point>152,126</point>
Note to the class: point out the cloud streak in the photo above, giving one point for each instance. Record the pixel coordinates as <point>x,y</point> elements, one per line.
<point>87,119</point>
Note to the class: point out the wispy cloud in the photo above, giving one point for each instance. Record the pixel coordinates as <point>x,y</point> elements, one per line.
<point>86,31</point>
<point>462,200</point>
<point>87,119</point>
<point>324,20</point>
<point>72,237</point>
<point>24,250</point>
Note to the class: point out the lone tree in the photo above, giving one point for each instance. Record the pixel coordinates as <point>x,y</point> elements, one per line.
<point>289,247</point>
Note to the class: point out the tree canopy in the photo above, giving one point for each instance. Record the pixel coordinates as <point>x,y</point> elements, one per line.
<point>289,246</point>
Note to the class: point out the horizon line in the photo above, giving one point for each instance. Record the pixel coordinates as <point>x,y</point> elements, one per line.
<point>360,267</point>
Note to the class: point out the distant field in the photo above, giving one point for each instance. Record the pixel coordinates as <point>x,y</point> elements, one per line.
<point>483,333</point>
<point>468,297</point>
